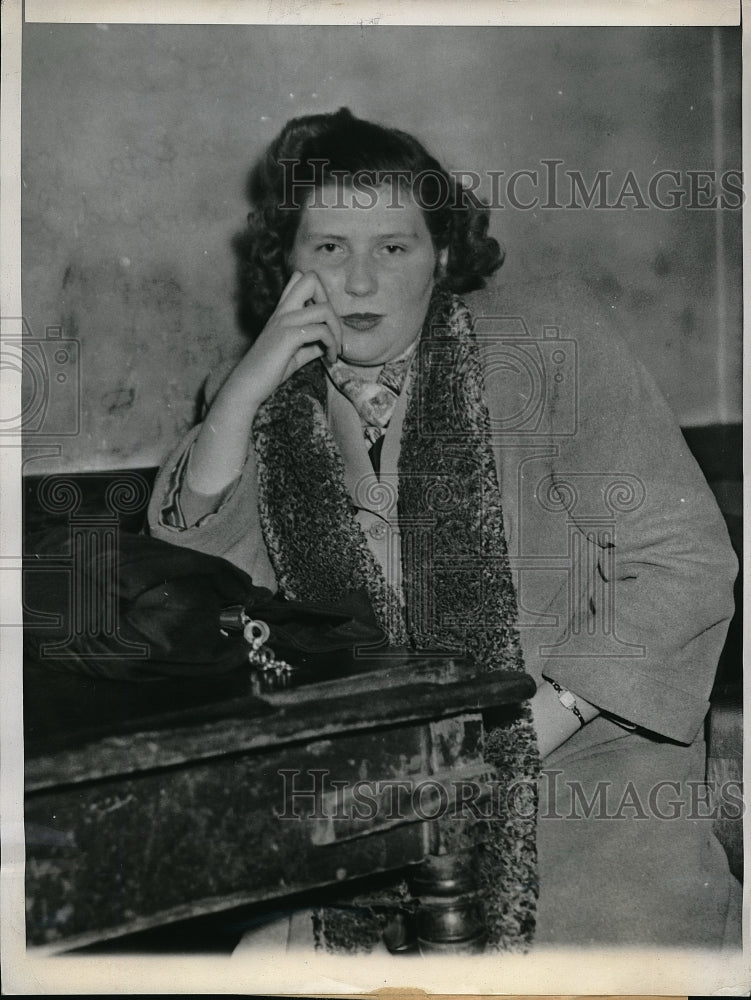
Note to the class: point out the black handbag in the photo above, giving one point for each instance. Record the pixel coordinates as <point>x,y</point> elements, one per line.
<point>138,608</point>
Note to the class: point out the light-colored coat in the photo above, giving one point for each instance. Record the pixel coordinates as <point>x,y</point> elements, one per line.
<point>624,575</point>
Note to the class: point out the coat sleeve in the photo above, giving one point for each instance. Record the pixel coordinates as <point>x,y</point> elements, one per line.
<point>231,525</point>
<point>651,556</point>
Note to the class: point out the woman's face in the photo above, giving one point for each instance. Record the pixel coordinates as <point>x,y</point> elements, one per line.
<point>377,265</point>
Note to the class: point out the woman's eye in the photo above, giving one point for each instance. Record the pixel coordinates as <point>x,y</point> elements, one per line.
<point>329,247</point>
<point>393,248</point>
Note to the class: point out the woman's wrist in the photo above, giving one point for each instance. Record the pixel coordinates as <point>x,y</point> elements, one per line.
<point>568,701</point>
<point>554,721</point>
<point>220,451</point>
<point>241,396</point>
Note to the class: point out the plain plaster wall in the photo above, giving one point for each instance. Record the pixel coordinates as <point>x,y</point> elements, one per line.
<point>137,140</point>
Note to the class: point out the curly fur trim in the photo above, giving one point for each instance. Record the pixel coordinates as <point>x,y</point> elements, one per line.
<point>458,591</point>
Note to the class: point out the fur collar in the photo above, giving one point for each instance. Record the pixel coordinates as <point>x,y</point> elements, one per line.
<point>457,588</point>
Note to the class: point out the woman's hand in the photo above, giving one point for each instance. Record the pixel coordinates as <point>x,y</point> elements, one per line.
<point>302,327</point>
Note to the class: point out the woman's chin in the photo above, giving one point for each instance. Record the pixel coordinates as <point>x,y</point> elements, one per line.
<point>359,359</point>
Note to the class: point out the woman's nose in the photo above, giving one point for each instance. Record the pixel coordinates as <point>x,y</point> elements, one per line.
<point>361,276</point>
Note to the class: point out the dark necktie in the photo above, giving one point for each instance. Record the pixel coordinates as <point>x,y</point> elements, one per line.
<point>375,454</point>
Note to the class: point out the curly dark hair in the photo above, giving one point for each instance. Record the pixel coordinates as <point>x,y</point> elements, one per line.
<point>317,149</point>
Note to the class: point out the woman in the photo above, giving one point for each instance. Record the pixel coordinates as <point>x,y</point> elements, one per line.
<point>369,439</point>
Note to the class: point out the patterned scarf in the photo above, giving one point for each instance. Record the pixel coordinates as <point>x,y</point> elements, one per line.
<point>461,599</point>
<point>373,400</point>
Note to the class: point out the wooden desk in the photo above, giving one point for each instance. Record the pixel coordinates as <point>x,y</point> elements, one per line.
<point>148,803</point>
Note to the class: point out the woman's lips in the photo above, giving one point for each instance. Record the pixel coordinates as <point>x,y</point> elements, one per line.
<point>362,321</point>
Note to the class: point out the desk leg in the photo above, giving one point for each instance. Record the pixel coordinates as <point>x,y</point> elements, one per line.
<point>450,917</point>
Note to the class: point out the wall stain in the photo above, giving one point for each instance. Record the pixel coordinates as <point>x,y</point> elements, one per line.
<point>661,265</point>
<point>119,399</point>
<point>70,325</point>
<point>607,283</point>
<point>687,321</point>
<point>642,298</point>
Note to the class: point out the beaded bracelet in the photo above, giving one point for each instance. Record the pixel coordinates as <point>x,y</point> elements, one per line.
<point>568,701</point>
